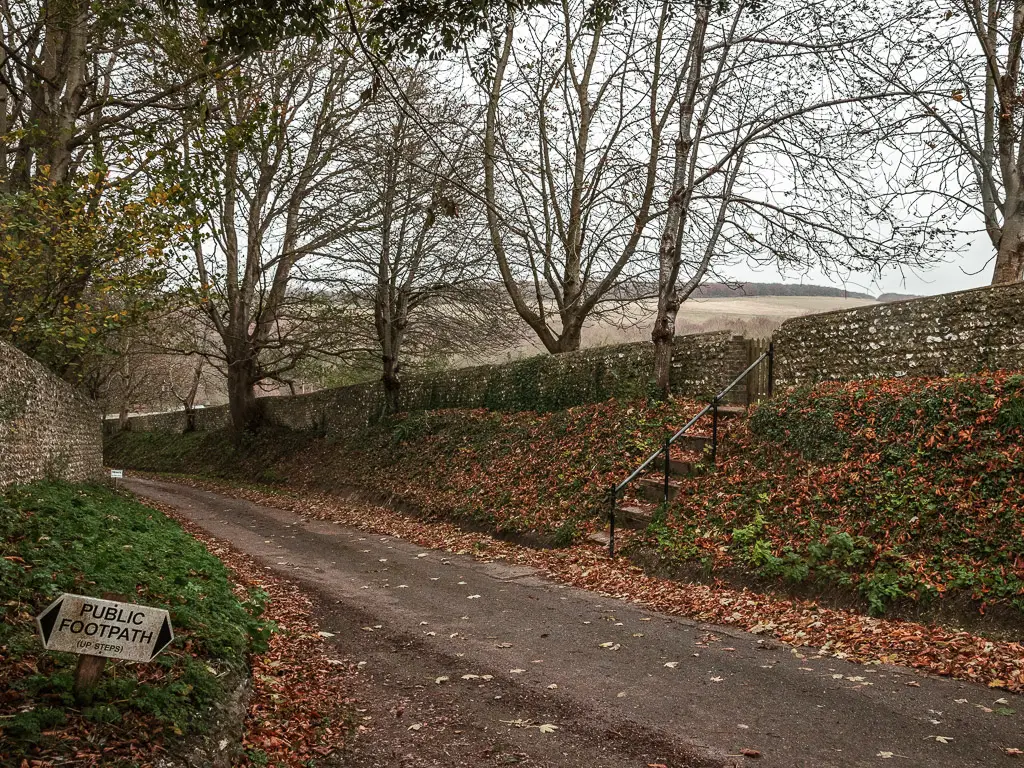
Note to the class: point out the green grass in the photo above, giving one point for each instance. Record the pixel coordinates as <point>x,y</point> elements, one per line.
<point>89,540</point>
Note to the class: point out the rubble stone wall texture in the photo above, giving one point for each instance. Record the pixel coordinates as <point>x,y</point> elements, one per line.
<point>47,429</point>
<point>964,332</point>
<point>702,364</point>
<point>935,336</point>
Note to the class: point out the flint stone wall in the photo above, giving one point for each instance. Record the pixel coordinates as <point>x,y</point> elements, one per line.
<point>964,332</point>
<point>47,429</point>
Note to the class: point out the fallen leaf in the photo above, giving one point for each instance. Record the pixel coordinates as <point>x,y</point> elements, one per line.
<point>750,753</point>
<point>547,728</point>
<point>473,597</point>
<point>442,679</point>
<point>516,671</point>
<point>415,727</point>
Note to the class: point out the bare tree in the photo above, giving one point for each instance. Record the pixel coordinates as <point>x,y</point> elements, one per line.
<point>957,128</point>
<point>421,268</point>
<point>270,165</point>
<point>577,106</point>
<point>771,161</point>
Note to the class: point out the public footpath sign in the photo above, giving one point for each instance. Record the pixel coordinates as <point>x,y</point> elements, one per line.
<point>106,628</point>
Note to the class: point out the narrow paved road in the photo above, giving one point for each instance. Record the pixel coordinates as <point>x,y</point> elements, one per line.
<point>709,691</point>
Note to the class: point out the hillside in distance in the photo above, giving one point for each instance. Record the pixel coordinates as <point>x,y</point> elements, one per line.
<point>736,290</point>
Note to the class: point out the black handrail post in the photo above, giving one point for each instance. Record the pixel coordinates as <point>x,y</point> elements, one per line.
<point>611,526</point>
<point>668,445</point>
<point>771,367</point>
<point>714,430</point>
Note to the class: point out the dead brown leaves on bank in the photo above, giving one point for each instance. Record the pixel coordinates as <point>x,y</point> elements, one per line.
<point>301,706</point>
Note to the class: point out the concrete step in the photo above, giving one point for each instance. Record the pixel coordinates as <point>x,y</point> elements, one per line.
<point>653,489</point>
<point>633,516</point>
<point>600,537</point>
<point>694,443</point>
<point>731,411</point>
<point>680,467</point>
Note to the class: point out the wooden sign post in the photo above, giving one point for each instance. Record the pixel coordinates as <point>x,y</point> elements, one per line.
<point>100,630</point>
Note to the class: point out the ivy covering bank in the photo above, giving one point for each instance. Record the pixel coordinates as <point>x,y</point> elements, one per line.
<point>525,472</point>
<point>89,540</point>
<point>887,491</point>
<point>907,489</point>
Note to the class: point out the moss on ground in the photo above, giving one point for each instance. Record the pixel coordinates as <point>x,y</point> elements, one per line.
<point>90,540</point>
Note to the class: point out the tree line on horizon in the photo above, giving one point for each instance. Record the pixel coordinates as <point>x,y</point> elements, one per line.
<point>261,190</point>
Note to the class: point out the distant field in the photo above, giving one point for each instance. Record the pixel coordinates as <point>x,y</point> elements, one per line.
<point>752,316</point>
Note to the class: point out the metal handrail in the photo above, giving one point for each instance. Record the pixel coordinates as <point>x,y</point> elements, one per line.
<point>656,454</point>
<point>670,441</point>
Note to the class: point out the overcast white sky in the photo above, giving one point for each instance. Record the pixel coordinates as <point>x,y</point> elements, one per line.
<point>971,268</point>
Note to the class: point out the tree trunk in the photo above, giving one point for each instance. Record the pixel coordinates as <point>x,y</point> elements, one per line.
<point>663,336</point>
<point>669,298</point>
<point>392,383</point>
<point>245,411</point>
<point>570,339</point>
<point>1009,266</point>
<point>122,417</point>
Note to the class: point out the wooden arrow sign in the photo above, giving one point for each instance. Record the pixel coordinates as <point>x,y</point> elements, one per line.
<point>107,628</point>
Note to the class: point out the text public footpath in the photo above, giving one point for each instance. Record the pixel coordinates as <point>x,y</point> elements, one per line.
<point>108,628</point>
<point>107,622</point>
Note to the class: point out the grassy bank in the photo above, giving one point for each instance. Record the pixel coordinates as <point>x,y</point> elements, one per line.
<point>888,493</point>
<point>900,490</point>
<point>89,540</point>
<point>511,472</point>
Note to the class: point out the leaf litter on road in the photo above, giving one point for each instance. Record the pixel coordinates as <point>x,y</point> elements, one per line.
<point>801,623</point>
